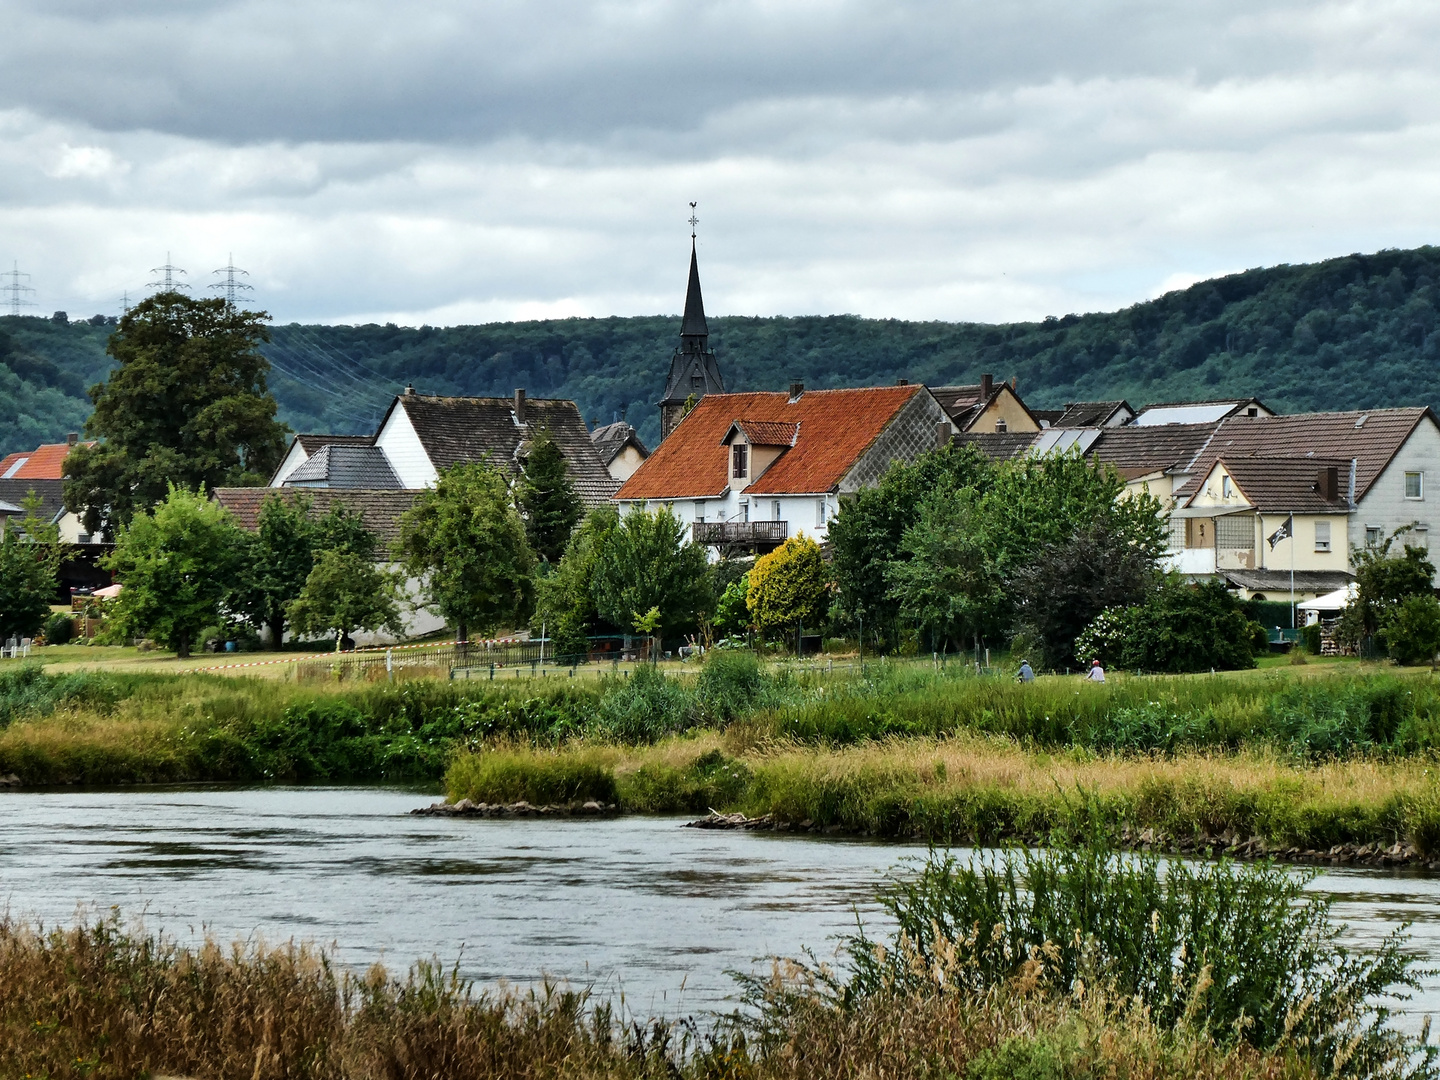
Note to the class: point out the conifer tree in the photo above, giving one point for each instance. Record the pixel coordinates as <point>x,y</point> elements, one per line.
<point>547,498</point>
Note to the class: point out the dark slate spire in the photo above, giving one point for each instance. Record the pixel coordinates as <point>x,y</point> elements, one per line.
<point>693,329</point>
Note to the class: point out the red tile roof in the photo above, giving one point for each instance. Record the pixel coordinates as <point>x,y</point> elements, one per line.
<point>767,432</point>
<point>42,463</point>
<point>379,510</point>
<point>836,428</point>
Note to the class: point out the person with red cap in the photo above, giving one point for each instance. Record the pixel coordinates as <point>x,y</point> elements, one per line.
<point>1096,672</point>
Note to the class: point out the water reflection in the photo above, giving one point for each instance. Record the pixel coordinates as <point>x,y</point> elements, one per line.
<point>634,905</point>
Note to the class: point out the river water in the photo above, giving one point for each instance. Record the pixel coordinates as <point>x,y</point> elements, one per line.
<point>635,906</point>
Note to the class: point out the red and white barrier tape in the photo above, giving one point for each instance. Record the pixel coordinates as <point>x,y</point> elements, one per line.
<point>356,652</point>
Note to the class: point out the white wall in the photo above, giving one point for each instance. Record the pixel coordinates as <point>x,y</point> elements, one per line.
<point>293,460</point>
<point>402,448</point>
<point>1385,506</point>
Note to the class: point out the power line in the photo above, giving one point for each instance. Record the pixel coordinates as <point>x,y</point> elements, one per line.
<point>166,282</point>
<point>16,290</point>
<point>231,284</point>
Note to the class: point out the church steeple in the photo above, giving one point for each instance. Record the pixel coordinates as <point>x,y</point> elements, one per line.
<point>694,371</point>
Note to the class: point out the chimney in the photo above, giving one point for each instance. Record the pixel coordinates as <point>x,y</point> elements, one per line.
<point>987,387</point>
<point>519,404</point>
<point>943,432</point>
<point>902,382</point>
<point>410,390</point>
<point>1329,485</point>
<point>796,389</point>
<point>72,438</point>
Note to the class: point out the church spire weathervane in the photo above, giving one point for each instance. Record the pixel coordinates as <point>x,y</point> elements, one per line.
<point>693,221</point>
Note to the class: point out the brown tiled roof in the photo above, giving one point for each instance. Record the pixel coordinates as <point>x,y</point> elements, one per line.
<point>836,428</point>
<point>610,439</point>
<point>379,510</point>
<point>1136,451</point>
<point>43,463</point>
<point>312,444</point>
<point>1281,485</point>
<point>768,432</point>
<point>1089,413</point>
<point>1372,441</point>
<point>465,429</point>
<point>996,445</point>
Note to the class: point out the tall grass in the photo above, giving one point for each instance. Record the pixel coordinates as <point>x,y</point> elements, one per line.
<point>984,790</point>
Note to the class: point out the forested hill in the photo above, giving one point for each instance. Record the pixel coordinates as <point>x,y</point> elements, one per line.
<point>1359,331</point>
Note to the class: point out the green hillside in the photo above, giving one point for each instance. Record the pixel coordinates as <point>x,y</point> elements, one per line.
<point>1358,331</point>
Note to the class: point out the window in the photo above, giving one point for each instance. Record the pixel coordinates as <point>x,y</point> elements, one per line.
<point>1252,411</point>
<point>821,506</point>
<point>775,510</point>
<point>1418,537</point>
<point>1001,425</point>
<point>744,510</point>
<point>1414,485</point>
<point>700,510</point>
<point>1374,536</point>
<point>739,455</point>
<point>1322,536</point>
<point>697,382</point>
<point>1225,489</point>
<point>1235,532</point>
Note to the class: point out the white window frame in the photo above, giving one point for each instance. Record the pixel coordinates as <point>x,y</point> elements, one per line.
<point>1419,485</point>
<point>821,507</point>
<point>775,510</point>
<point>1322,543</point>
<point>1418,537</point>
<point>1225,490</point>
<point>700,510</point>
<point>1374,536</point>
<point>744,510</point>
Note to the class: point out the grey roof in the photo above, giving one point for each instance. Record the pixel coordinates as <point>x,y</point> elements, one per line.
<point>996,445</point>
<point>1091,413</point>
<point>1278,581</point>
<point>51,493</point>
<point>1166,448</point>
<point>610,439</point>
<point>379,510</point>
<point>345,466</point>
<point>9,508</point>
<point>456,430</point>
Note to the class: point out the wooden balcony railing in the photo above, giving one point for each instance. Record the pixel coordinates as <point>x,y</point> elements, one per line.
<point>739,532</point>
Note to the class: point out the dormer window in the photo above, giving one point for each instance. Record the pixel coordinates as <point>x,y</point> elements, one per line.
<point>740,460</point>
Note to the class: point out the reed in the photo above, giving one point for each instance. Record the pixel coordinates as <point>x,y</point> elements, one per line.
<point>96,1001</point>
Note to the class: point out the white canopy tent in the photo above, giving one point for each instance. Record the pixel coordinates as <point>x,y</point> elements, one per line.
<point>1329,604</point>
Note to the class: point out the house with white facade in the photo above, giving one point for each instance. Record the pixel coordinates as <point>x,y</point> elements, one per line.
<point>748,471</point>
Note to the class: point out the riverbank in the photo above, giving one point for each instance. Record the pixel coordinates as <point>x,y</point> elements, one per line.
<point>986,790</point>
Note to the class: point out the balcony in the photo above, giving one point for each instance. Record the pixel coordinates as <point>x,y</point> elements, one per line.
<point>739,532</point>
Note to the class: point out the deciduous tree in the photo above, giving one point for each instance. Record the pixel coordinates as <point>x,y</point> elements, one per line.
<point>565,600</point>
<point>30,554</point>
<point>186,405</point>
<point>175,565</point>
<point>345,592</point>
<point>790,587</point>
<point>465,541</point>
<point>648,562</point>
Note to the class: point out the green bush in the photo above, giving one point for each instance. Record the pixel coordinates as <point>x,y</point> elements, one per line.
<point>731,685</point>
<point>59,629</point>
<point>1198,945</point>
<point>1310,638</point>
<point>1410,629</point>
<point>644,707</point>
<point>1180,628</point>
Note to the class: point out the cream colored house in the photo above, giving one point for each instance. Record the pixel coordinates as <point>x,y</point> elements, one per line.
<point>987,408</point>
<point>620,448</point>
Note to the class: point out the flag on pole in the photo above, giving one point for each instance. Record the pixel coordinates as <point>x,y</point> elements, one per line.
<point>1287,529</point>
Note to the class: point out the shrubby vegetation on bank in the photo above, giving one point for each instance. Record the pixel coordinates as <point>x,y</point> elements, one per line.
<point>1106,967</point>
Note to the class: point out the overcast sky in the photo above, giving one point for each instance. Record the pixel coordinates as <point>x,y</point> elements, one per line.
<point>450,162</point>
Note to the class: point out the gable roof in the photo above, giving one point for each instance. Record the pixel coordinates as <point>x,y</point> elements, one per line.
<point>836,427</point>
<point>1372,437</point>
<point>964,405</point>
<point>1090,413</point>
<point>379,510</point>
<point>1282,485</point>
<point>313,444</point>
<point>764,432</point>
<point>45,462</point>
<point>456,430</point>
<point>1138,451</point>
<point>1195,412</point>
<point>610,439</point>
<point>345,466</point>
<point>51,493</point>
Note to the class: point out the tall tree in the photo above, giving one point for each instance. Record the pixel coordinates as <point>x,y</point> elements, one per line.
<point>345,592</point>
<point>187,404</point>
<point>467,544</point>
<point>175,565</point>
<point>30,553</point>
<point>647,562</point>
<point>547,498</point>
<point>865,535</point>
<point>790,587</point>
<point>565,600</point>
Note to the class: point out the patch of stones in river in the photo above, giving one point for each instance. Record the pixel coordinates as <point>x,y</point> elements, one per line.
<point>1397,854</point>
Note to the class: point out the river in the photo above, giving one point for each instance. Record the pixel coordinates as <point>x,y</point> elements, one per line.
<point>635,906</point>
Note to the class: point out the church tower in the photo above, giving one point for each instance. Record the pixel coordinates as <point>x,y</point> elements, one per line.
<point>694,371</point>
